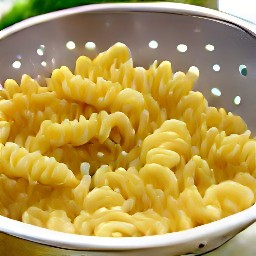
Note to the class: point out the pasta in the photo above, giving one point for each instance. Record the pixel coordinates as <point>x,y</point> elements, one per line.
<point>116,150</point>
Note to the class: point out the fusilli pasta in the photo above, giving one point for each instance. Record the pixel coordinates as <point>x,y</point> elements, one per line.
<point>116,150</point>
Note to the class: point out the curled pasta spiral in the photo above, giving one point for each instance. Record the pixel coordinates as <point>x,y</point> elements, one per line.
<point>99,94</point>
<point>173,136</point>
<point>197,173</point>
<point>79,132</point>
<point>18,162</point>
<point>229,204</point>
<point>104,64</point>
<point>232,153</point>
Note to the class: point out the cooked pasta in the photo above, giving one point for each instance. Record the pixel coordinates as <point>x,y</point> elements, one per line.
<point>116,150</point>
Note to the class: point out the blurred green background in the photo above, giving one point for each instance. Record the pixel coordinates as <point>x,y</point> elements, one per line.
<point>23,9</point>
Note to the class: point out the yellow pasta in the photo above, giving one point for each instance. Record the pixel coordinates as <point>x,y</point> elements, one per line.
<point>17,162</point>
<point>18,194</point>
<point>116,150</point>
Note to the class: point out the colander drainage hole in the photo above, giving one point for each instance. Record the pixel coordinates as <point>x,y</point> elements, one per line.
<point>182,48</point>
<point>201,245</point>
<point>153,44</point>
<point>237,100</point>
<point>216,92</point>
<point>209,47</point>
<point>90,45</point>
<point>70,45</point>
<point>216,67</point>
<point>16,64</point>
<point>243,70</point>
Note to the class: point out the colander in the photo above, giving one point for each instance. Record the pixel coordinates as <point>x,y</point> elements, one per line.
<point>221,46</point>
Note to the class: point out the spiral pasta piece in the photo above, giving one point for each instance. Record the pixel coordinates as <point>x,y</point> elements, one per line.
<point>76,132</point>
<point>11,87</point>
<point>194,207</point>
<point>197,173</point>
<point>237,197</point>
<point>68,86</point>
<point>79,132</point>
<point>87,224</point>
<point>172,135</point>
<point>18,162</point>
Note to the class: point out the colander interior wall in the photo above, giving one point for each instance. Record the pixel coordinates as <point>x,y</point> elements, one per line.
<point>224,53</point>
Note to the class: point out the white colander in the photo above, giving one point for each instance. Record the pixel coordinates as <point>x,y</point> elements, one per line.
<point>221,46</point>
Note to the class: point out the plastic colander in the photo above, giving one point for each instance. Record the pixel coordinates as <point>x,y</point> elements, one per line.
<point>221,46</point>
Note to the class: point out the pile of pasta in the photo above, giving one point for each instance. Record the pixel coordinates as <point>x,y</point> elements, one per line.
<point>116,150</point>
